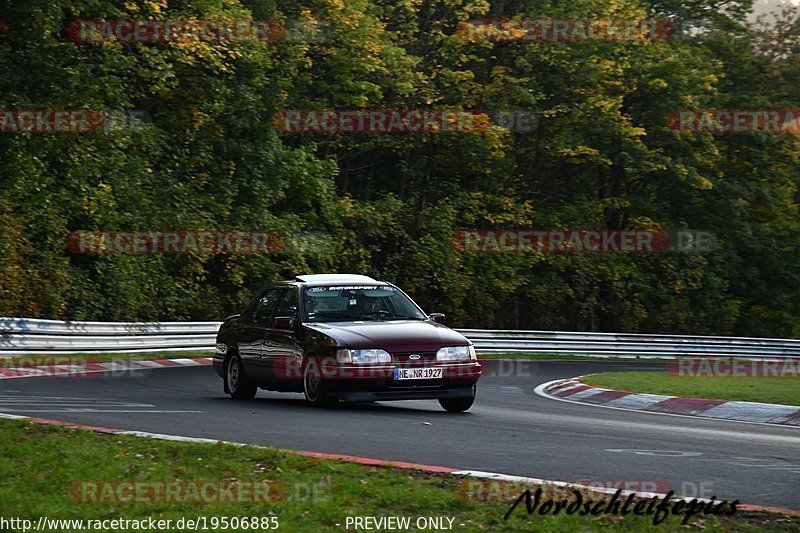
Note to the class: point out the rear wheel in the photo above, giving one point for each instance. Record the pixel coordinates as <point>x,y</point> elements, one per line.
<point>314,386</point>
<point>457,405</point>
<point>237,384</point>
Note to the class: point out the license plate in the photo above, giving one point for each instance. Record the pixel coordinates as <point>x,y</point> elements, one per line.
<point>417,373</point>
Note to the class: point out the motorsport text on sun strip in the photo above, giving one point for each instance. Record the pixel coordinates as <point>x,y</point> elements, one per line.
<point>582,241</point>
<point>174,242</point>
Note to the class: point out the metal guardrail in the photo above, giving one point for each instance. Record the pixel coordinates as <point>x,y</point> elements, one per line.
<point>24,336</point>
<point>630,344</point>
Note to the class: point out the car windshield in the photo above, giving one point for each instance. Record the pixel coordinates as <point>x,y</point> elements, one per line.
<point>337,303</point>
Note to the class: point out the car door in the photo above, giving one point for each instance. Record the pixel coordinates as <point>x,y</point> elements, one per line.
<point>251,331</point>
<point>282,352</point>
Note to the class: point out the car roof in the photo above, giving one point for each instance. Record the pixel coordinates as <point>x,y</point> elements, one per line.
<point>328,279</point>
<point>335,278</point>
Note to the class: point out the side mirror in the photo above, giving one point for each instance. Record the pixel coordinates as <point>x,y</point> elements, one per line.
<point>283,322</point>
<point>437,317</point>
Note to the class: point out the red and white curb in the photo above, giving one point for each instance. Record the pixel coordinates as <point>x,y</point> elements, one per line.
<point>490,476</point>
<point>10,370</point>
<point>573,390</point>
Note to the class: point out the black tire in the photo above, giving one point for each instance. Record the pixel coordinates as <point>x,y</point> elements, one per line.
<point>458,405</point>
<point>236,383</point>
<point>314,386</point>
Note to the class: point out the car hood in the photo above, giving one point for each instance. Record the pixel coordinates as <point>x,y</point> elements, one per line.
<point>392,336</point>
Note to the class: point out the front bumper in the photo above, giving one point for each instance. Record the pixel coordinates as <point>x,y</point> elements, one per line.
<point>386,395</point>
<point>217,362</point>
<point>374,382</point>
<point>378,381</point>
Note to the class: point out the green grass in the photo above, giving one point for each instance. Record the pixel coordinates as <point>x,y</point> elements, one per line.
<point>45,359</point>
<point>782,390</point>
<point>42,464</point>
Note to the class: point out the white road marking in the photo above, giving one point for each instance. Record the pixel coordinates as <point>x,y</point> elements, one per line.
<point>64,404</point>
<point>179,438</point>
<point>13,417</point>
<point>74,405</point>
<point>17,396</point>
<point>81,410</point>
<point>769,464</point>
<point>657,453</point>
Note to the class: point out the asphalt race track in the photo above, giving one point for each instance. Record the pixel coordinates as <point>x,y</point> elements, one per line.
<point>509,430</point>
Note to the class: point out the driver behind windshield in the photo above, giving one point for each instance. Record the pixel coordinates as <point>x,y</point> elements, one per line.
<point>369,306</point>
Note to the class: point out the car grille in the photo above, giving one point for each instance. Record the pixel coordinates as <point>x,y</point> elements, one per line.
<point>402,358</point>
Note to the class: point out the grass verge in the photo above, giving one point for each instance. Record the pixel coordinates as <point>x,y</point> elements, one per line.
<point>770,389</point>
<point>43,467</point>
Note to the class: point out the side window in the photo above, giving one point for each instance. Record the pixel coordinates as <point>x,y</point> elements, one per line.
<point>287,304</point>
<point>261,313</point>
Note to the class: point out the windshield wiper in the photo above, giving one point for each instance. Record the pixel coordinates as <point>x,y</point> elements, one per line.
<point>395,316</point>
<point>341,317</point>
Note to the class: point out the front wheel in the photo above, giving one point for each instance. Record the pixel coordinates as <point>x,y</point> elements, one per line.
<point>237,384</point>
<point>314,386</point>
<point>457,405</point>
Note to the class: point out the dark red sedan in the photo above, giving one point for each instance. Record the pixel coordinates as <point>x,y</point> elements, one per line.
<point>344,337</point>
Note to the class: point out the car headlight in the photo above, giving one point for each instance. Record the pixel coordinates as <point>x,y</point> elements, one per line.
<point>363,357</point>
<point>456,353</point>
